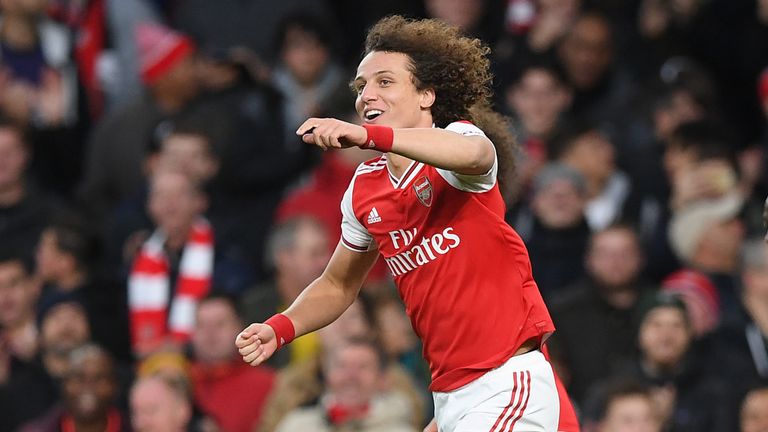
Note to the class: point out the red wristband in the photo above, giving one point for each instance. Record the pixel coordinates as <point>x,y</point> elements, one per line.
<point>379,138</point>
<point>283,327</point>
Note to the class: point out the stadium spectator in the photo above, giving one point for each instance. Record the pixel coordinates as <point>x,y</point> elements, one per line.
<point>63,328</point>
<point>160,404</point>
<point>24,211</point>
<point>601,90</point>
<point>116,145</point>
<point>675,368</point>
<point>218,373</point>
<point>307,74</point>
<point>624,406</point>
<point>39,89</point>
<point>738,347</point>
<point>18,296</point>
<point>297,251</point>
<point>176,266</point>
<point>582,146</point>
<point>608,296</point>
<point>538,96</point>
<point>89,394</point>
<point>555,230</point>
<point>354,373</point>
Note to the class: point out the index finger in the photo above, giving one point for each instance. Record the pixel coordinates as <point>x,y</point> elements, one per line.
<point>307,126</point>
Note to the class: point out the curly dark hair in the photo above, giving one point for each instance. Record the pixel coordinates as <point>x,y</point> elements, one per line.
<point>457,68</point>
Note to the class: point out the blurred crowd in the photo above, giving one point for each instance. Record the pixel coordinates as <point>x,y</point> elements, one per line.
<point>154,200</point>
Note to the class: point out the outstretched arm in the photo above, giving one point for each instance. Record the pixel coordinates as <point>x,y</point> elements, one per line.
<point>440,148</point>
<point>318,305</point>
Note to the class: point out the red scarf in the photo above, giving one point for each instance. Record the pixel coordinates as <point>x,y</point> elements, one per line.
<point>153,318</point>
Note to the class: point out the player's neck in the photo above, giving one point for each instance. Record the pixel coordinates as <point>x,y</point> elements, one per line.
<point>397,164</point>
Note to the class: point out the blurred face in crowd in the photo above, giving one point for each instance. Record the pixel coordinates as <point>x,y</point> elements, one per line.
<point>664,336</point>
<point>190,154</point>
<point>387,95</point>
<point>174,202</point>
<point>351,324</point>
<point>155,407</point>
<point>353,374</point>
<point>305,260</point>
<point>396,334</point>
<point>614,258</point>
<point>50,261</point>
<point>64,328</point>
<point>682,108</point>
<point>304,55</point>
<point>216,324</point>
<point>89,386</point>
<point>630,413</point>
<point>592,155</point>
<point>464,14</point>
<point>13,158</point>
<point>559,204</point>
<point>17,294</point>
<point>754,411</point>
<point>538,99</point>
<point>586,52</point>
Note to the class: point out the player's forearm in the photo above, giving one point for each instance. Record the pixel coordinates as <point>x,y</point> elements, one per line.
<point>319,305</point>
<point>445,149</point>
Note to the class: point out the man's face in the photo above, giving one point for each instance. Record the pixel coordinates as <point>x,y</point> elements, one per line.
<point>215,326</point>
<point>593,155</point>
<point>614,259</point>
<point>304,55</point>
<point>13,158</point>
<point>538,100</point>
<point>631,413</point>
<point>65,327</point>
<point>306,259</point>
<point>559,204</point>
<point>353,374</point>
<point>17,294</point>
<point>155,408</point>
<point>89,387</point>
<point>664,336</point>
<point>190,154</point>
<point>586,52</point>
<point>173,201</point>
<point>384,84</point>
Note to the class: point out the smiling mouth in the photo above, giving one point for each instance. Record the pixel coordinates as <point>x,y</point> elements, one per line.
<point>371,115</point>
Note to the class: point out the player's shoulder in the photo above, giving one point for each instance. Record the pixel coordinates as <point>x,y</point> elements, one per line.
<point>465,127</point>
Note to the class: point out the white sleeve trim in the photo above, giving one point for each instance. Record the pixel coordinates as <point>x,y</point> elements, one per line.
<point>354,236</point>
<point>476,183</point>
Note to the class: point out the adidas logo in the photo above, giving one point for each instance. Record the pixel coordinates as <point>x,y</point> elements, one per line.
<point>373,216</point>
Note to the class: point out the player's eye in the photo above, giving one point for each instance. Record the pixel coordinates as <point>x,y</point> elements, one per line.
<point>385,82</point>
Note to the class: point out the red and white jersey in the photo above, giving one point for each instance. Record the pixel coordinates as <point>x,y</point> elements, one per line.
<point>461,270</point>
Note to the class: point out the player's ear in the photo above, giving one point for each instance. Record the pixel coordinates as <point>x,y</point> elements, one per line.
<point>427,98</point>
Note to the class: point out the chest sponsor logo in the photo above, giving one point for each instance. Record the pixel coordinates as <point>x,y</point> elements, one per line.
<point>423,189</point>
<point>373,216</point>
<point>419,253</point>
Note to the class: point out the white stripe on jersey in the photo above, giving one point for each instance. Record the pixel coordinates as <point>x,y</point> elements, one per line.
<point>413,175</point>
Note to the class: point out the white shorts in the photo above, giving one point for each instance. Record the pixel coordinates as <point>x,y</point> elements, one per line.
<point>519,395</point>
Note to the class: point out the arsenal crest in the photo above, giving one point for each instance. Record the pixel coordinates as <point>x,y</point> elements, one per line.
<point>423,189</point>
